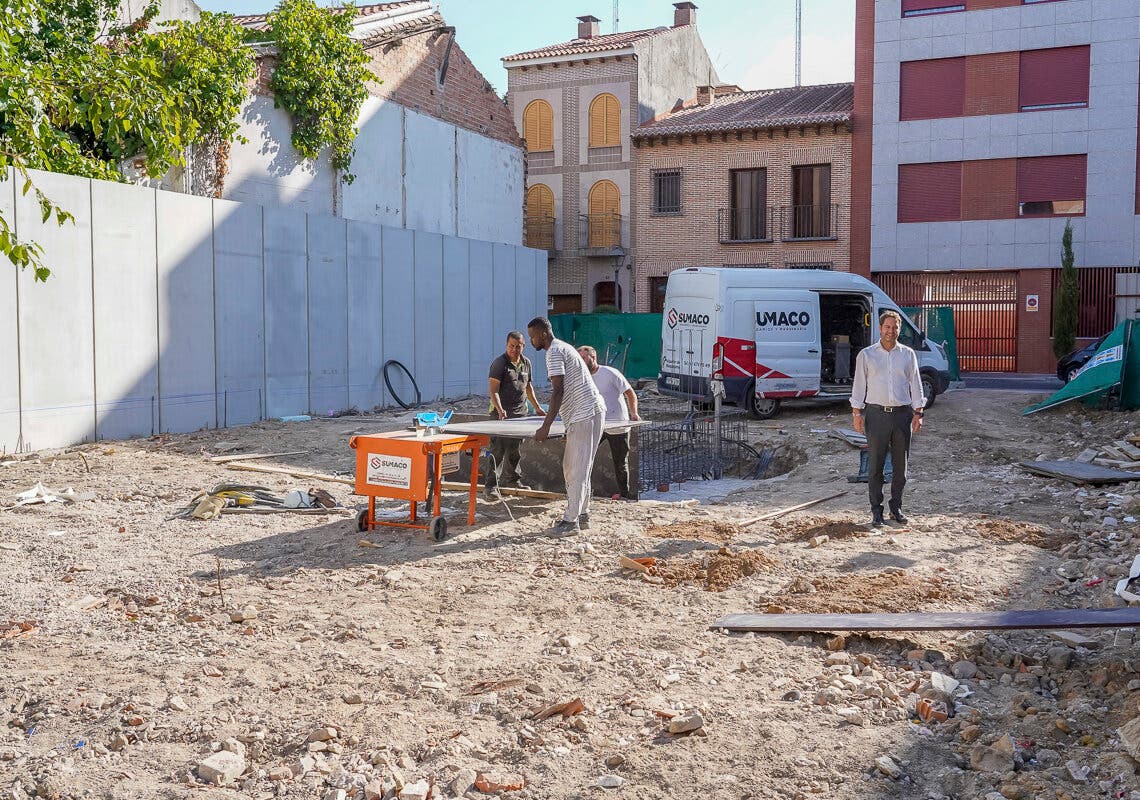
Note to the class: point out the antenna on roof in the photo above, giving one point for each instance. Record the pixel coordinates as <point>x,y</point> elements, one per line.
<point>615,16</point>
<point>799,27</point>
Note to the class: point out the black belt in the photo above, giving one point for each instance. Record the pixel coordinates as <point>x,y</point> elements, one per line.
<point>887,409</point>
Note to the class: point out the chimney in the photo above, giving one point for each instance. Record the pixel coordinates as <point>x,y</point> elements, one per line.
<point>684,14</point>
<point>588,27</point>
<point>705,95</point>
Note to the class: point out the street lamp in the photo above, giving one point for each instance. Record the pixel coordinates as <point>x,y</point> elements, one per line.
<point>618,255</point>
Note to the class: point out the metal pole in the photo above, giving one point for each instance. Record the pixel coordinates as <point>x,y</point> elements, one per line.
<point>716,435</point>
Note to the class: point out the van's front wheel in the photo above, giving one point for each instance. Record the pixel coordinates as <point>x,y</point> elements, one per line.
<point>760,407</point>
<point>929,388</point>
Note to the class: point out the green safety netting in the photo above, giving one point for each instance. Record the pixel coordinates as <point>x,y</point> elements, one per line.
<point>1116,364</point>
<point>630,342</point>
<point>937,322</point>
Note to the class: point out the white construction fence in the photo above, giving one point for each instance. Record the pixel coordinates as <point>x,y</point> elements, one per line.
<point>170,312</point>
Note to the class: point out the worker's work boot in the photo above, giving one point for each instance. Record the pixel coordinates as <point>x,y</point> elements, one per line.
<point>566,527</point>
<point>584,521</point>
<point>877,517</point>
<point>897,515</point>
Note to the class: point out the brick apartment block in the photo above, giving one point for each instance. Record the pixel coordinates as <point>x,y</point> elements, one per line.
<point>576,104</point>
<point>714,184</point>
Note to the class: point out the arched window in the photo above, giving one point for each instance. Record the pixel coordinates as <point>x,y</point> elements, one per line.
<point>540,217</point>
<point>538,127</point>
<point>605,121</point>
<point>604,217</point>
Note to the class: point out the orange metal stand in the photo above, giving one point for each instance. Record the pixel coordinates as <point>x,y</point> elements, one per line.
<point>396,466</point>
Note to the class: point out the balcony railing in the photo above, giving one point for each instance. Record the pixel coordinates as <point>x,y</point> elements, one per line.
<point>809,222</point>
<point>744,225</point>
<point>599,231</point>
<point>540,232</point>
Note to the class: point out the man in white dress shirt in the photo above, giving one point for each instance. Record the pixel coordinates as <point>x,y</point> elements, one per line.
<point>887,404</point>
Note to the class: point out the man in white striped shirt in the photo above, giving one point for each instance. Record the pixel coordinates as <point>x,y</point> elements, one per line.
<point>887,404</point>
<point>583,412</point>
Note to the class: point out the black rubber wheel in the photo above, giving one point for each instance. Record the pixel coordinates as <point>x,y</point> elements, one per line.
<point>362,521</point>
<point>929,388</point>
<point>761,409</point>
<point>388,382</point>
<point>438,528</point>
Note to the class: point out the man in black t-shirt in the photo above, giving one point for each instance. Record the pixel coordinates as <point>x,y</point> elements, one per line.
<point>510,386</point>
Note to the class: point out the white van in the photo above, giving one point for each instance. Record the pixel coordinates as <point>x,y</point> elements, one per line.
<point>783,333</point>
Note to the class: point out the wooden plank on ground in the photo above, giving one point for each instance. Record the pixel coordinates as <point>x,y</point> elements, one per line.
<point>254,456</point>
<point>455,486</point>
<point>1076,472</point>
<point>296,473</point>
<point>1129,449</point>
<point>933,621</point>
<point>781,512</point>
<point>1113,453</point>
<point>1125,465</point>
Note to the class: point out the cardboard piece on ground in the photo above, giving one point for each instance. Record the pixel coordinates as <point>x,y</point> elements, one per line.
<point>1077,472</point>
<point>933,621</point>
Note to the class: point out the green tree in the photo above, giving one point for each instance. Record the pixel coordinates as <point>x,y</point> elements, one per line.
<point>1068,299</point>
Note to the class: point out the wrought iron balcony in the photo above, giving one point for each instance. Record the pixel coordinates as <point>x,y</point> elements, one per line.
<point>744,225</point>
<point>540,232</point>
<point>804,223</point>
<point>599,232</point>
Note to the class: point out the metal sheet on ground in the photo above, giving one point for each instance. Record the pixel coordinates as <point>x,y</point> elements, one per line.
<point>365,328</point>
<point>9,339</point>
<point>57,339</point>
<point>185,313</point>
<point>286,297</point>
<point>126,310</point>
<point>933,621</point>
<point>458,371</point>
<point>240,308</point>
<point>328,315</point>
<point>1079,472</point>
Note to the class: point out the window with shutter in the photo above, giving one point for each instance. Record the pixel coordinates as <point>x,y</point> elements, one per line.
<point>605,121</point>
<point>932,89</point>
<point>538,127</point>
<point>540,217</point>
<point>667,191</point>
<point>604,218</point>
<point>917,8</point>
<point>930,192</point>
<point>1057,77</point>
<point>1051,185</point>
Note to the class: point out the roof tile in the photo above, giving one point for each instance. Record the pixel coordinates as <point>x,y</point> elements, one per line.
<point>597,44</point>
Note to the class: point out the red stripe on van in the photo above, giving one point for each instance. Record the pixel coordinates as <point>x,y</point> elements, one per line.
<point>737,360</point>
<point>765,373</point>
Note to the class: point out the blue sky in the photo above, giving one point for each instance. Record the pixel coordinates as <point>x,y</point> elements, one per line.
<point>751,42</point>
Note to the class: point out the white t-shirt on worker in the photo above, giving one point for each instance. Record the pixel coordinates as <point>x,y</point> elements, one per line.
<point>580,397</point>
<point>613,385</point>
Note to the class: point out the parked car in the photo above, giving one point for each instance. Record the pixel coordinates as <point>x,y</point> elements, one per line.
<point>1071,364</point>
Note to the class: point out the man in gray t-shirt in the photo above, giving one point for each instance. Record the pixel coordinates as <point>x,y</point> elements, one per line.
<point>621,404</point>
<point>510,385</point>
<point>583,412</point>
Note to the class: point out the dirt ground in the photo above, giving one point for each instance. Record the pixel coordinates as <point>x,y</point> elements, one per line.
<point>134,645</point>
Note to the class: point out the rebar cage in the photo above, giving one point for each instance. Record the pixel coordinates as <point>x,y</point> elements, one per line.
<point>688,449</point>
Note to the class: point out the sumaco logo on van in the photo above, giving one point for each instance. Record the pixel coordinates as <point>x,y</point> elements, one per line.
<point>782,319</point>
<point>676,317</point>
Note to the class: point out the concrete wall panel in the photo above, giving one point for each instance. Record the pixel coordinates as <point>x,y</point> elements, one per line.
<point>185,312</point>
<point>398,309</point>
<point>268,171</point>
<point>490,189</point>
<point>9,331</point>
<point>240,312</point>
<point>502,308</point>
<point>57,365</point>
<point>429,314</point>
<point>541,293</point>
<point>486,341</point>
<point>125,291</point>
<point>377,194</point>
<point>365,317</point>
<point>460,376</point>
<point>286,304</point>
<point>328,315</point>
<point>429,170</point>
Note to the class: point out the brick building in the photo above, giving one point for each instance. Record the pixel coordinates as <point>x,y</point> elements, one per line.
<point>436,148</point>
<point>981,128</point>
<point>749,179</point>
<point>576,104</point>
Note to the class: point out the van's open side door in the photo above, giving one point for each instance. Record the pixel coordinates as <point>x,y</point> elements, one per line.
<point>787,335</point>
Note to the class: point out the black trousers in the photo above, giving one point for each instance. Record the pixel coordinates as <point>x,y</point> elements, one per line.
<point>619,449</point>
<point>887,431</point>
<point>505,458</point>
